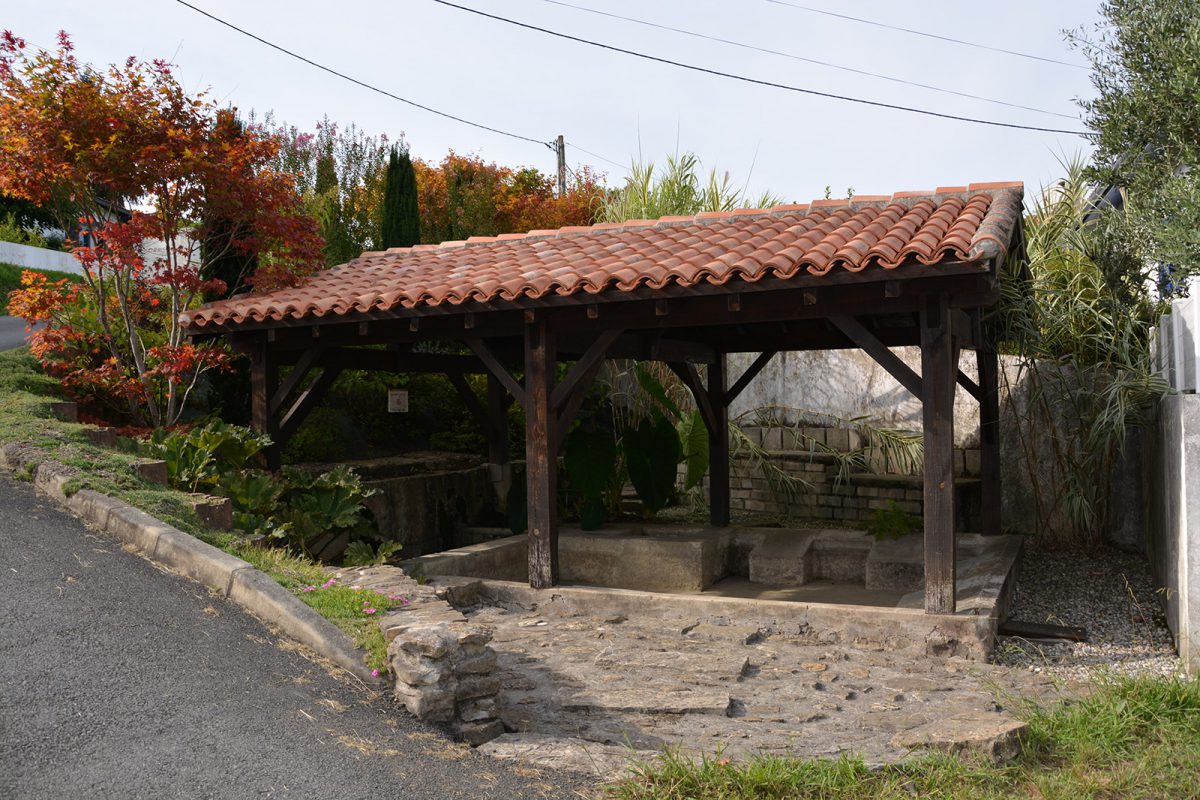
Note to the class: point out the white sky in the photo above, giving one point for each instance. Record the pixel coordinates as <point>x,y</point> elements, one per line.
<point>616,105</point>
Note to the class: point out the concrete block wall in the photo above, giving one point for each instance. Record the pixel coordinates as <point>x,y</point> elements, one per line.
<point>854,500</point>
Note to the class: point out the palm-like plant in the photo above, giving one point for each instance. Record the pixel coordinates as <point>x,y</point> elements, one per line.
<point>1080,330</point>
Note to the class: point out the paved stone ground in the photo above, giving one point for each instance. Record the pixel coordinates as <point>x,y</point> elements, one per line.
<point>590,688</point>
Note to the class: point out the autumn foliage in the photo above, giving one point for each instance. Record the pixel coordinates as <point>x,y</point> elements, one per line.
<point>91,144</point>
<point>465,196</point>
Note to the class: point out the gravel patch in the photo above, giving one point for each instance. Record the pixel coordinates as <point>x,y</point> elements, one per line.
<point>1110,593</point>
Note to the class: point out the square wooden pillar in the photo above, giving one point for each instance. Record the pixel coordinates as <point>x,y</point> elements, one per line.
<point>718,445</point>
<point>541,463</point>
<point>938,378</point>
<point>264,383</point>
<point>989,439</point>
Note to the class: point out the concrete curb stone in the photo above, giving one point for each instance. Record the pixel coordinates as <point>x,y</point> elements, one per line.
<point>231,577</point>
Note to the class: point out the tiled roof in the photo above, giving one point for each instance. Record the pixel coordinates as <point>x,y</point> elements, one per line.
<point>951,224</point>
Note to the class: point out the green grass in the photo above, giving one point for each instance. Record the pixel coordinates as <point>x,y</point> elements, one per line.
<point>25,396</point>
<point>10,278</point>
<point>1127,738</point>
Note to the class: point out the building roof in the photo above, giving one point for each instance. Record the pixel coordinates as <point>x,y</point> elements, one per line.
<point>909,234</point>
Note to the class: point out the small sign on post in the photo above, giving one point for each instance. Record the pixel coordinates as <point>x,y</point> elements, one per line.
<point>397,401</point>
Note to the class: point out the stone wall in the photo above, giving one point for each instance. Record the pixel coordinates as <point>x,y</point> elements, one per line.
<point>856,500</point>
<point>443,664</point>
<point>1175,511</point>
<point>849,383</point>
<point>423,498</point>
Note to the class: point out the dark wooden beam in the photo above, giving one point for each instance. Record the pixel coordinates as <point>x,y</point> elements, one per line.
<point>471,400</point>
<point>264,382</point>
<point>989,439</point>
<point>938,371</point>
<point>718,446</point>
<point>690,377</point>
<point>306,402</point>
<point>972,388</point>
<point>858,333</point>
<point>541,464</point>
<point>751,372</point>
<point>485,354</point>
<point>583,367</point>
<point>305,363</point>
<point>766,300</point>
<point>571,405</point>
<point>498,401</point>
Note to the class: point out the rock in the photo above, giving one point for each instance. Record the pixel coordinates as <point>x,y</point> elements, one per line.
<point>477,733</point>
<point>483,663</point>
<point>814,666</point>
<point>636,700</point>
<point>996,737</point>
<point>477,686</point>
<point>151,470</point>
<point>433,703</point>
<point>555,753</point>
<point>433,641</point>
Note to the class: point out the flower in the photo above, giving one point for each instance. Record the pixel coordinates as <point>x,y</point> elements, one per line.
<point>368,611</point>
<point>309,589</point>
<point>374,673</point>
<point>328,583</point>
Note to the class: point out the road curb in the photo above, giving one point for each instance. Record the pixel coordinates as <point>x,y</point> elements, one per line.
<point>255,591</point>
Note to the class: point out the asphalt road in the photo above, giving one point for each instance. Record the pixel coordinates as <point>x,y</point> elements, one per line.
<point>12,332</point>
<point>120,680</point>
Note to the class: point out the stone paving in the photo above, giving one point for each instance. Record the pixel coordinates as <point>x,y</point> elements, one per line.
<point>596,693</point>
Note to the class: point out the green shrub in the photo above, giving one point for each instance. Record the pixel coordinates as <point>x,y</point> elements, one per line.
<point>290,507</point>
<point>892,523</point>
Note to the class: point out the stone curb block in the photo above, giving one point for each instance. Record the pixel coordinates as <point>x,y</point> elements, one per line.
<point>254,591</point>
<point>130,526</point>
<point>200,561</point>
<point>264,598</point>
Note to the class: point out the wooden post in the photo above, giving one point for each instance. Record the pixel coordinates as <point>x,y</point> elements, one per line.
<point>989,439</point>
<point>718,445</point>
<point>938,379</point>
<point>541,464</point>
<point>497,430</point>
<point>264,383</point>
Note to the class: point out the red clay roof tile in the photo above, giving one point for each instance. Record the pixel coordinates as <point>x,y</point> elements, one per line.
<point>953,223</point>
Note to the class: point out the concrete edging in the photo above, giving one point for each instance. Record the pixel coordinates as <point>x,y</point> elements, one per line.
<point>255,591</point>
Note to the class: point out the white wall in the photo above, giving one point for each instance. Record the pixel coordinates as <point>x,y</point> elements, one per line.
<point>1175,543</point>
<point>849,383</point>
<point>38,258</point>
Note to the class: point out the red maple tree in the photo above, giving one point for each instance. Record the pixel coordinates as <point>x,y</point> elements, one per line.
<point>92,144</point>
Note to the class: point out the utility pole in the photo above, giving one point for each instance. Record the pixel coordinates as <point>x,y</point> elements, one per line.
<point>561,150</point>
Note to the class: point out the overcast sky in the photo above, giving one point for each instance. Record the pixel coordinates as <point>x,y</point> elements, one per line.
<point>617,106</point>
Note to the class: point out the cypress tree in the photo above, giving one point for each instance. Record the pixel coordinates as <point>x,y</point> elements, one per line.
<point>401,218</point>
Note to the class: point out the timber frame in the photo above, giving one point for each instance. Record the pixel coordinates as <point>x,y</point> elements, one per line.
<point>519,344</point>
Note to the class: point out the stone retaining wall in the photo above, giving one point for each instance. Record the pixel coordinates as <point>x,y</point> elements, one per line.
<point>855,500</point>
<point>442,663</point>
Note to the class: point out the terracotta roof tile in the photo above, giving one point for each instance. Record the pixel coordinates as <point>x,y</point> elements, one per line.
<point>949,224</point>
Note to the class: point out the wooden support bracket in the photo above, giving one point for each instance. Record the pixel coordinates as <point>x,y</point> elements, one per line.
<point>858,333</point>
<point>485,354</point>
<point>751,372</point>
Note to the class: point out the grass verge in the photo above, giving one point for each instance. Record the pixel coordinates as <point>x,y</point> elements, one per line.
<point>10,278</point>
<point>25,396</point>
<point>1128,738</point>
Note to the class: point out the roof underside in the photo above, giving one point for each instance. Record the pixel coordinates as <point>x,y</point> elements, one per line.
<point>907,236</point>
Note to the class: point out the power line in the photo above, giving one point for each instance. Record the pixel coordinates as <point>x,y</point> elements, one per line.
<point>756,81</point>
<point>597,155</point>
<point>805,59</point>
<point>363,84</point>
<point>926,34</point>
